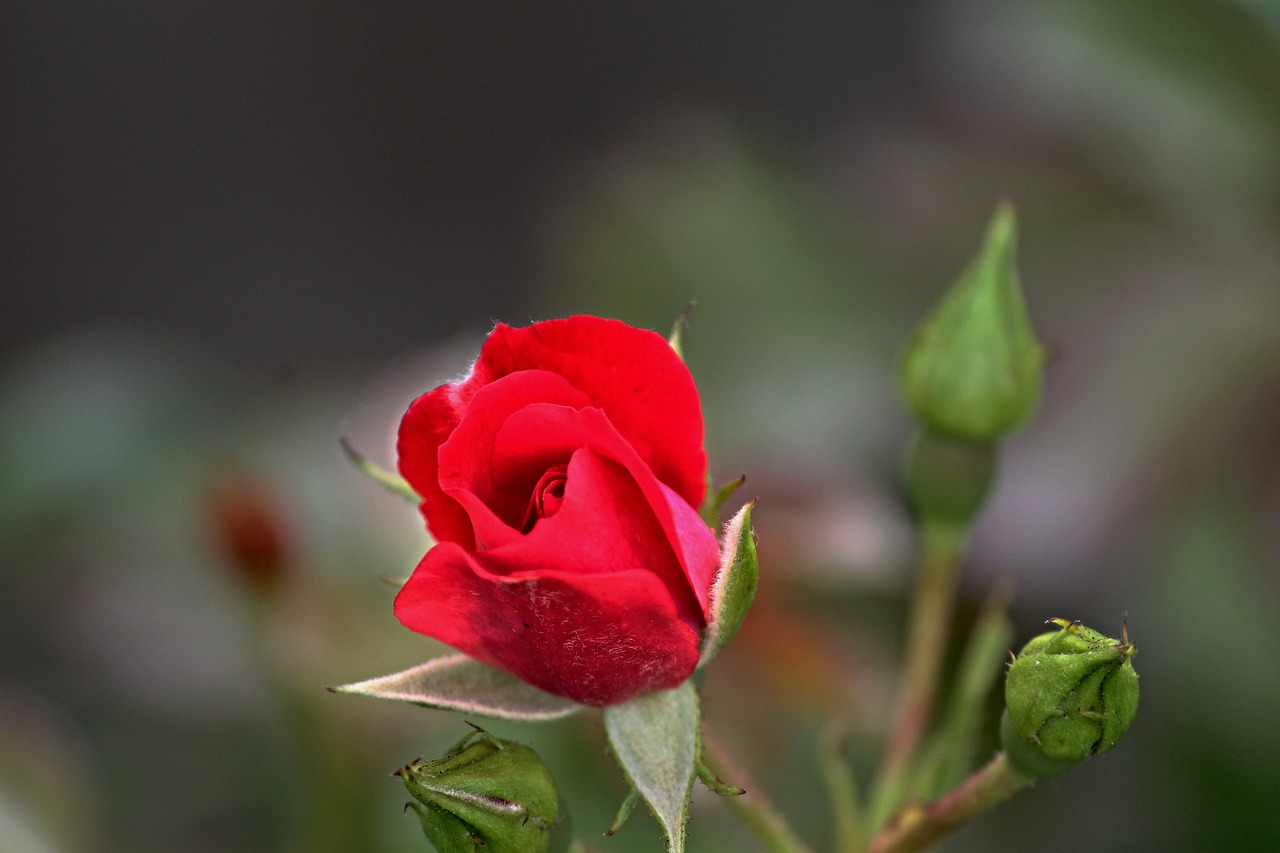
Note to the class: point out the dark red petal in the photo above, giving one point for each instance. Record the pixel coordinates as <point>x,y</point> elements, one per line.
<point>599,639</point>
<point>632,374</point>
<point>494,491</point>
<point>547,497</point>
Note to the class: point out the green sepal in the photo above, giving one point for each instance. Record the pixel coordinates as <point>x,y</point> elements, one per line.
<point>446,833</point>
<point>655,738</point>
<point>676,338</point>
<point>624,811</point>
<point>393,483</point>
<point>717,498</point>
<point>459,683</point>
<point>1027,756</point>
<point>947,479</point>
<point>714,783</point>
<point>735,584</point>
<point>973,368</point>
<point>485,794</point>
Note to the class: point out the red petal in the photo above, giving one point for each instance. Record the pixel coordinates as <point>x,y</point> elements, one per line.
<point>605,524</point>
<point>494,491</point>
<point>699,551</point>
<point>552,432</point>
<point>599,639</point>
<point>632,374</point>
<point>426,426</point>
<point>523,424</point>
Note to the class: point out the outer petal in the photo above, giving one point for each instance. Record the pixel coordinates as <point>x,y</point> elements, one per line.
<point>598,639</point>
<point>697,546</point>
<point>632,374</point>
<point>427,425</point>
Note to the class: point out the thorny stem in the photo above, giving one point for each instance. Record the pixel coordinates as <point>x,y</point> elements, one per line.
<point>753,807</point>
<point>919,825</point>
<point>930,625</point>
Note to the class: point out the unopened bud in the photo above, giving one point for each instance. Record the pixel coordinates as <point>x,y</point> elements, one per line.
<point>1069,694</point>
<point>249,527</point>
<point>973,368</point>
<point>485,794</point>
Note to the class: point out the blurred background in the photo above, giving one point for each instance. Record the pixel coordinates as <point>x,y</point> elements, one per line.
<point>234,233</point>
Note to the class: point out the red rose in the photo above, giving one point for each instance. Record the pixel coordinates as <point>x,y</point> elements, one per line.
<point>561,478</point>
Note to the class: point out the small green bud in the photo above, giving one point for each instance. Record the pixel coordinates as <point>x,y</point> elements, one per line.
<point>973,368</point>
<point>1069,694</point>
<point>484,794</point>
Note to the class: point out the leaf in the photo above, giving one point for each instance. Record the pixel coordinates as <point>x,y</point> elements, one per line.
<point>459,683</point>
<point>735,584</point>
<point>655,739</point>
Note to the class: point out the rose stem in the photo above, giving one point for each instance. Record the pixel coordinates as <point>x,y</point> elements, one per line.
<point>752,807</point>
<point>929,627</point>
<point>918,826</point>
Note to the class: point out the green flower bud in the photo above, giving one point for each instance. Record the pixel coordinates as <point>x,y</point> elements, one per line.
<point>1069,694</point>
<point>973,368</point>
<point>484,794</point>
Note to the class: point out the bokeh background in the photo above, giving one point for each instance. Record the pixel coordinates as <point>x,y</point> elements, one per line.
<point>235,232</point>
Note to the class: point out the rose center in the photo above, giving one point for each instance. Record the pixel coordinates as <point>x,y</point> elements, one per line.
<point>547,497</point>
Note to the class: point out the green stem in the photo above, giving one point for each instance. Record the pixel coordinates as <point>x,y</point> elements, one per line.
<point>940,551</point>
<point>753,807</point>
<point>918,826</point>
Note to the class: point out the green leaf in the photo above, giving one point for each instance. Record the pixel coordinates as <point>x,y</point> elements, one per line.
<point>393,483</point>
<point>655,739</point>
<point>459,683</point>
<point>735,584</point>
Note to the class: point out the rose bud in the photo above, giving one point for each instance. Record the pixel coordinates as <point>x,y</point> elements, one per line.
<point>1069,694</point>
<point>561,479</point>
<point>484,794</point>
<point>973,368</point>
<point>248,526</point>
